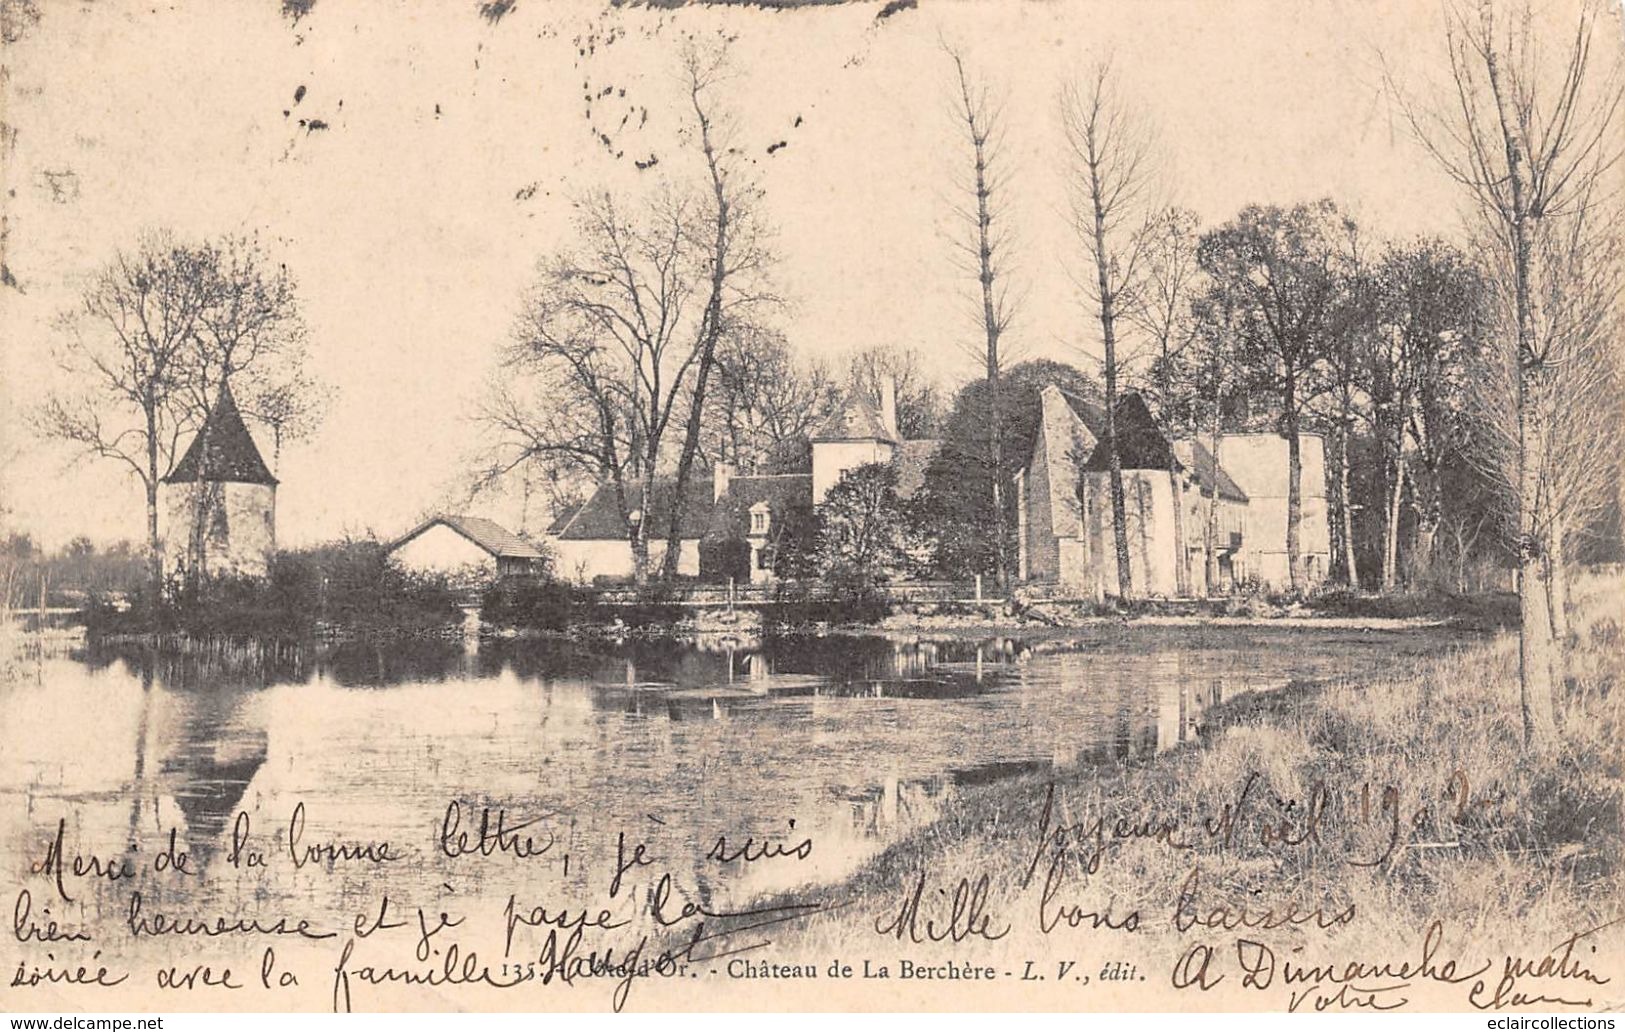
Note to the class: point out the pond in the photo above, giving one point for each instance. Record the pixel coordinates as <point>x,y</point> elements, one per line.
<point>851,741</point>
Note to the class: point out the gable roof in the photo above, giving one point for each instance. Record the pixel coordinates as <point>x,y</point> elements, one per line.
<point>856,420</point>
<point>1207,472</point>
<point>1064,439</point>
<point>494,538</point>
<point>1140,444</point>
<point>223,450</point>
<point>562,518</point>
<point>599,518</point>
<point>1091,414</point>
<point>783,493</point>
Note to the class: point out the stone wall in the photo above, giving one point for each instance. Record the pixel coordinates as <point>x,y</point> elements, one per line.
<point>237,521</point>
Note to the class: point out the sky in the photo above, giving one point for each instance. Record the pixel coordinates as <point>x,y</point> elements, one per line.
<point>453,146</point>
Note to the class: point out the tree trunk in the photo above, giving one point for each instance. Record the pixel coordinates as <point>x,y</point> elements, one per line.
<point>1390,523</point>
<point>990,321</point>
<point>1535,675</point>
<point>155,555</point>
<point>638,530</point>
<point>204,496</point>
<point>1334,521</point>
<point>1119,501</point>
<point>685,462</point>
<point>1294,492</point>
<point>1345,505</point>
<point>640,555</point>
<point>1429,514</point>
<point>1108,333</point>
<point>977,122</point>
<point>710,332</point>
<point>1557,595</point>
<point>1001,568</point>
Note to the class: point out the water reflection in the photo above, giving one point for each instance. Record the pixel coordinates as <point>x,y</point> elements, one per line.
<point>855,739</point>
<point>207,764</point>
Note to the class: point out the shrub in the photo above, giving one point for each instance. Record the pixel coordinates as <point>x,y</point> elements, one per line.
<point>362,589</point>
<point>532,603</point>
<point>353,585</point>
<point>846,594</point>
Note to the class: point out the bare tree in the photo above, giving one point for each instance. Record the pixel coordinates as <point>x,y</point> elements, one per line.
<point>289,403</point>
<point>249,333</point>
<point>1529,141</point>
<point>1280,270</point>
<point>727,237</point>
<point>1585,433</point>
<point>919,399</point>
<point>1579,283</point>
<point>982,246</point>
<point>156,335</point>
<point>128,350</point>
<point>764,396</point>
<point>1161,309</point>
<point>600,357</point>
<point>1111,179</point>
<point>250,325</point>
<point>618,341</point>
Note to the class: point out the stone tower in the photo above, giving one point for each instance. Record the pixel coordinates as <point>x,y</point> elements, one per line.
<point>219,502</point>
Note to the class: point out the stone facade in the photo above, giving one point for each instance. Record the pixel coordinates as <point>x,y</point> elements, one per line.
<point>217,507</point>
<point>1065,522</point>
<point>1258,462</point>
<point>220,527</point>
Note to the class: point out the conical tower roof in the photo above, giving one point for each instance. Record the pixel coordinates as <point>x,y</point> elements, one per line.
<point>223,450</point>
<point>856,420</point>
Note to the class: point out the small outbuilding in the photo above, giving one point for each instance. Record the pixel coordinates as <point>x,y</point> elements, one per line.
<point>467,548</point>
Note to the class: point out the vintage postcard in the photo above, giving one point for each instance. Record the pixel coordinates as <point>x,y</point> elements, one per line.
<point>789,506</point>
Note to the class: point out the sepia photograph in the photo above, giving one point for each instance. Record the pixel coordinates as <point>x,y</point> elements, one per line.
<point>801,505</point>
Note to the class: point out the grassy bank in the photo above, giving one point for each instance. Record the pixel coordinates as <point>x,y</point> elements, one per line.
<point>1404,794</point>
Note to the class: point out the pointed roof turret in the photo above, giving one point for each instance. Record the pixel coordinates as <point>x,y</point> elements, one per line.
<point>223,450</point>
<point>856,420</point>
<point>1140,444</point>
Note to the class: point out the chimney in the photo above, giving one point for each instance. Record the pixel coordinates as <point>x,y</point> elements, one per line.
<point>888,405</point>
<point>721,474</point>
